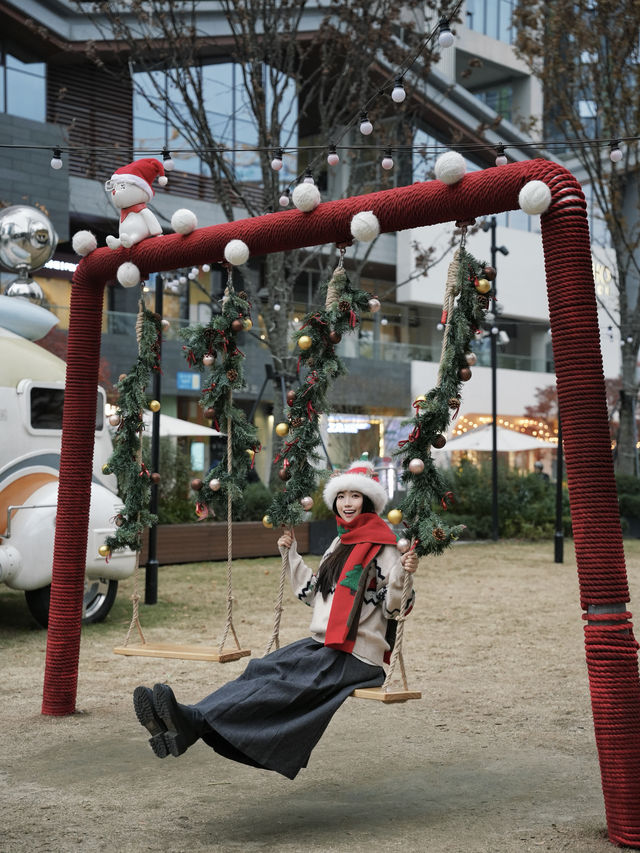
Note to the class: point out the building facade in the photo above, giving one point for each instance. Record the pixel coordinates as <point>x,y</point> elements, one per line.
<point>53,95</point>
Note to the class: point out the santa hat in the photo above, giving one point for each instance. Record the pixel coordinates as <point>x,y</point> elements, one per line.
<point>142,174</point>
<point>358,477</point>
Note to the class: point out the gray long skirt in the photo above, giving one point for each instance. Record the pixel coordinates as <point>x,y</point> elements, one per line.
<point>274,714</point>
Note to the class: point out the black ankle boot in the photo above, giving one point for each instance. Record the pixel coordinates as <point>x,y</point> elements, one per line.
<point>180,732</point>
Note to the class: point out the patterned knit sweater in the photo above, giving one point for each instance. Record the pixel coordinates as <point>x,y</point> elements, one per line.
<point>382,600</point>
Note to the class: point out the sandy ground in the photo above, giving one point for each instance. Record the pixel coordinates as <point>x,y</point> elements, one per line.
<point>499,754</point>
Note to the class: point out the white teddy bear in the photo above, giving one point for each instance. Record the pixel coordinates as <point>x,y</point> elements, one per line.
<point>130,188</point>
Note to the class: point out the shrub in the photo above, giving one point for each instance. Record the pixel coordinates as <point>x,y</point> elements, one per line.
<point>526,502</point>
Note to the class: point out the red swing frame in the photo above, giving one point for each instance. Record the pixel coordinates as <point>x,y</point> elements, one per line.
<point>611,650</point>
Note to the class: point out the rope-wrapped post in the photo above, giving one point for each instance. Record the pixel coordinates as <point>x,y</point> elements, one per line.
<point>612,655</point>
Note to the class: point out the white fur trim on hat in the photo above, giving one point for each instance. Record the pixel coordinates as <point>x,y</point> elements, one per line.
<point>358,477</point>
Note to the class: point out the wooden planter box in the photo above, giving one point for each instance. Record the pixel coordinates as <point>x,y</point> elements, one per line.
<point>199,542</point>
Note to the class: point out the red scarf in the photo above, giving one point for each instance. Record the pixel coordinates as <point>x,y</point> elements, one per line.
<point>368,532</point>
<point>135,208</point>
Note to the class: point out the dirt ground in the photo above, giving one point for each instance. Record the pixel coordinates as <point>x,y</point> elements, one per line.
<point>498,755</point>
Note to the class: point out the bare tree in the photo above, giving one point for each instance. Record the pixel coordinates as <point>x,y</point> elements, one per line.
<point>586,56</point>
<point>306,71</point>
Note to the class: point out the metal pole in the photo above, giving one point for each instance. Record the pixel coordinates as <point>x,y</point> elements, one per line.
<point>151,568</point>
<point>494,398</point>
<point>559,533</point>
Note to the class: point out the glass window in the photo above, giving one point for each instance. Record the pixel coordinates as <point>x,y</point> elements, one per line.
<point>229,116</point>
<point>491,17</point>
<point>23,88</point>
<point>46,406</point>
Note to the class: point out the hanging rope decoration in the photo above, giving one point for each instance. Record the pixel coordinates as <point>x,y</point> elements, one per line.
<point>213,350</point>
<point>318,366</point>
<point>466,300</point>
<point>134,478</point>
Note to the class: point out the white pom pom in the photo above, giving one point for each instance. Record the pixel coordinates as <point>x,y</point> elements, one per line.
<point>365,226</point>
<point>236,252</point>
<point>128,274</point>
<point>450,167</point>
<point>163,180</point>
<point>83,242</point>
<point>184,221</point>
<point>534,197</point>
<point>306,197</point>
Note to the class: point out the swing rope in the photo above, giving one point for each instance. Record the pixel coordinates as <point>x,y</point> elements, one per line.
<point>279,607</point>
<point>396,655</point>
<point>229,620</point>
<point>451,290</point>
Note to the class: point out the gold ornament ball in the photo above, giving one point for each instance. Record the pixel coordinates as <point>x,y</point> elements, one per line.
<point>104,550</point>
<point>251,452</point>
<point>420,399</point>
<point>247,323</point>
<point>266,522</point>
<point>304,342</point>
<point>106,469</point>
<point>394,516</point>
<point>154,405</point>
<point>483,285</point>
<point>282,429</point>
<point>208,359</point>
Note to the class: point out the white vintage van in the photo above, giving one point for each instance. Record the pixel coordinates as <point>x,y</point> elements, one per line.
<point>31,401</point>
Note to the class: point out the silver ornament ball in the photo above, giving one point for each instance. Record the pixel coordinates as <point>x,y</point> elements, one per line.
<point>416,466</point>
<point>403,545</point>
<point>214,484</point>
<point>27,238</point>
<point>306,503</point>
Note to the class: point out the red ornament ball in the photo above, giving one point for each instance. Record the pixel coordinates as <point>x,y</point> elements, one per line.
<point>210,413</point>
<point>291,396</point>
<point>155,477</point>
<point>439,441</point>
<point>465,374</point>
<point>335,337</point>
<point>237,326</point>
<point>489,273</point>
<point>284,474</point>
<point>196,484</point>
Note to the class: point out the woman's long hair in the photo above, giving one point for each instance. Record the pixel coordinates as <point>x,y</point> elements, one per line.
<point>332,565</point>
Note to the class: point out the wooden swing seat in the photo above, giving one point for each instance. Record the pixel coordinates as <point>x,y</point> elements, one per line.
<point>183,652</point>
<point>381,695</point>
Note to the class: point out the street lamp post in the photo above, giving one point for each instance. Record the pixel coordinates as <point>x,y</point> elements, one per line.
<point>491,226</point>
<point>151,568</point>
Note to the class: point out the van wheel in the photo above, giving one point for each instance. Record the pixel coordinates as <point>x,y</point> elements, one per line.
<point>99,595</point>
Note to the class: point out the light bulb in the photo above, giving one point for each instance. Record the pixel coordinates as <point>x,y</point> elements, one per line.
<point>276,306</point>
<point>285,198</point>
<point>365,125</point>
<point>308,177</point>
<point>501,159</point>
<point>206,268</point>
<point>56,160</point>
<point>615,154</point>
<point>398,93</point>
<point>167,162</point>
<point>276,163</point>
<point>387,160</point>
<point>445,38</point>
<point>333,158</point>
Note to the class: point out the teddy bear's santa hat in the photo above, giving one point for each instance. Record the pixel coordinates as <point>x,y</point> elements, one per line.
<point>142,173</point>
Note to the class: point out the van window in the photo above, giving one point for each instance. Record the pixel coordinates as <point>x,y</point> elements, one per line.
<point>47,405</point>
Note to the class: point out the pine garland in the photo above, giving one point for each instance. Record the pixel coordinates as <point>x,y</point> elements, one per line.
<point>433,413</point>
<point>317,338</point>
<point>217,343</point>
<point>134,483</point>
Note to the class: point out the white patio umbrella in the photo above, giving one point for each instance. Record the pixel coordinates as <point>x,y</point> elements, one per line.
<point>481,439</point>
<point>170,426</point>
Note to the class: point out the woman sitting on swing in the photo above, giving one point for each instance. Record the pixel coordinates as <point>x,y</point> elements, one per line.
<point>273,715</point>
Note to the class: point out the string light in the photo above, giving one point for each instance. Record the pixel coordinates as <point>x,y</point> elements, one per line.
<point>56,160</point>
<point>398,93</point>
<point>501,158</point>
<point>387,160</point>
<point>308,177</point>
<point>445,37</point>
<point>285,198</point>
<point>332,158</point>
<point>276,163</point>
<point>615,154</point>
<point>366,127</point>
<point>167,160</point>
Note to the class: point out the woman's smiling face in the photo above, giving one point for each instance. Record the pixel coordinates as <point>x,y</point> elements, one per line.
<point>349,504</point>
